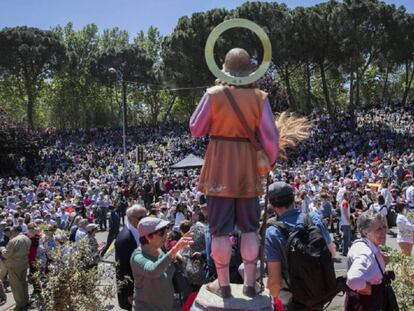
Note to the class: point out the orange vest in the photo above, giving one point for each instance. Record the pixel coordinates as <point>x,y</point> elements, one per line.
<point>225,121</point>
<point>230,168</point>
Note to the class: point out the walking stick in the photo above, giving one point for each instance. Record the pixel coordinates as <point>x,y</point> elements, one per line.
<point>262,237</point>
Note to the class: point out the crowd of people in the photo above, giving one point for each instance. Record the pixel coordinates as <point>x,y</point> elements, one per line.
<point>82,187</point>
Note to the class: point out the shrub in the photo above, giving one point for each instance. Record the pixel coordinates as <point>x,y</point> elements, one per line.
<point>71,283</point>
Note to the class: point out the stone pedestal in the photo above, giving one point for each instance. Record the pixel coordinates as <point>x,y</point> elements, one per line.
<point>207,301</point>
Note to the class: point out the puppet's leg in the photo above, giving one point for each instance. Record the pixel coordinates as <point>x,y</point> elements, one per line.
<point>221,253</point>
<point>221,222</point>
<point>249,253</point>
<point>248,215</point>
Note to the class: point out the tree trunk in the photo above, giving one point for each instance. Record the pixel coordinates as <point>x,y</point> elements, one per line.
<point>309,89</point>
<point>351,107</point>
<point>292,103</point>
<point>154,107</point>
<point>408,82</point>
<point>326,92</point>
<point>357,84</point>
<point>168,112</point>
<point>385,87</point>
<point>30,103</point>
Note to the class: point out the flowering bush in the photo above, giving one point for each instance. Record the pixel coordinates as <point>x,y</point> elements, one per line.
<point>71,283</point>
<point>403,267</point>
<point>403,285</point>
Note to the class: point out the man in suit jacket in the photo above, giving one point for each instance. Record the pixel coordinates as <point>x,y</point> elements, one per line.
<point>126,242</point>
<point>114,223</point>
<point>16,255</point>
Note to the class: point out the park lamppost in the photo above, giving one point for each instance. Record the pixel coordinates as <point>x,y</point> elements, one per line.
<point>120,80</point>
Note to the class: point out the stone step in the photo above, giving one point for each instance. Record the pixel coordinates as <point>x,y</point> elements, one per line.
<point>207,301</point>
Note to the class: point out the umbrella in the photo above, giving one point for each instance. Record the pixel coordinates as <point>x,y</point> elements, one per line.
<point>190,161</point>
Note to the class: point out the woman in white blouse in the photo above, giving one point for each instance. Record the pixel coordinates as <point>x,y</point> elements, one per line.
<point>405,237</point>
<point>366,264</point>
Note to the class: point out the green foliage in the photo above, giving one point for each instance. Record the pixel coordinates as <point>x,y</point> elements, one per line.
<point>29,56</point>
<point>403,285</point>
<point>403,267</point>
<point>327,57</point>
<point>19,148</point>
<point>71,283</point>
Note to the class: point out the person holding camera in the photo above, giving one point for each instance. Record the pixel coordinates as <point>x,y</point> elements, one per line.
<point>152,268</point>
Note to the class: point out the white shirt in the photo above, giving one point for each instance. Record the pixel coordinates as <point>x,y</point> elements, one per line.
<point>405,229</point>
<point>340,195</point>
<point>382,209</point>
<point>409,194</point>
<point>345,211</point>
<point>80,233</point>
<point>385,192</point>
<point>362,265</point>
<point>179,217</point>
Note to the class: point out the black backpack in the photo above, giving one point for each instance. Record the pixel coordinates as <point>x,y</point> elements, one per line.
<point>311,274</point>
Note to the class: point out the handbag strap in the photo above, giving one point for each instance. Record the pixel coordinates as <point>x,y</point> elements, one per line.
<point>375,255</point>
<point>242,120</point>
<point>379,266</point>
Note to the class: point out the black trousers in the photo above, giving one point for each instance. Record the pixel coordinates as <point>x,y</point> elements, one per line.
<point>111,237</point>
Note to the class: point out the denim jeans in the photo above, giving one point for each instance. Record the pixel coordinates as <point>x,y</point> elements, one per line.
<point>346,239</point>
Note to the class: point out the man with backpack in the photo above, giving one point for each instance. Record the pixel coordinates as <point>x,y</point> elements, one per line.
<point>299,254</point>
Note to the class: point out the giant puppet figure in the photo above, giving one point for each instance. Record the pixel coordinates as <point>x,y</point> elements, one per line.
<point>229,177</point>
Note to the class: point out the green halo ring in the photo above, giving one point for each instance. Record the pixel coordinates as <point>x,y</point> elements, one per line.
<point>241,23</point>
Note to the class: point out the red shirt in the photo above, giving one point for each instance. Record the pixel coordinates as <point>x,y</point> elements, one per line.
<point>33,249</point>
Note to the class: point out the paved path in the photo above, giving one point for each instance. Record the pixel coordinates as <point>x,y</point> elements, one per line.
<point>336,305</point>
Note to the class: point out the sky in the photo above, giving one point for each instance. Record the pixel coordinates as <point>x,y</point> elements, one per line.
<point>130,15</point>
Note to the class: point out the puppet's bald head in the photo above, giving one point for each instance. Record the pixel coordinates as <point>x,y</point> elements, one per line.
<point>237,63</point>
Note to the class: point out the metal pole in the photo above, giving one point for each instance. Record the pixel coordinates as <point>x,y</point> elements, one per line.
<point>122,83</point>
<point>124,121</point>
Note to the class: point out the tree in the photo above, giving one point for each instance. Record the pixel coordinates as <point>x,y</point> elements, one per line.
<point>401,50</point>
<point>317,43</point>
<point>183,54</point>
<point>30,56</point>
<point>132,66</point>
<point>74,96</point>
<point>359,26</point>
<point>277,21</point>
<point>153,92</point>
<point>183,50</point>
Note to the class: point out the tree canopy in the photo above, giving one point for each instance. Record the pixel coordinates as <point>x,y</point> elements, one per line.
<point>331,57</point>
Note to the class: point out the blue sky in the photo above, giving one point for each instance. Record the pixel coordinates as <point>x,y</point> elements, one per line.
<point>130,15</point>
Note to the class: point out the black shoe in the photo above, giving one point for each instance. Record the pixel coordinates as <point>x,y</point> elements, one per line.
<point>221,291</point>
<point>249,291</point>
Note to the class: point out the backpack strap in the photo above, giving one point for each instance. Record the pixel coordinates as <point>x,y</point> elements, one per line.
<point>283,228</point>
<point>308,222</point>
